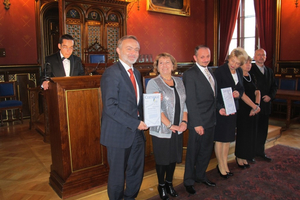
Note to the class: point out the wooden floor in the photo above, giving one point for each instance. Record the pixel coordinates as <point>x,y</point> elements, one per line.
<point>25,164</point>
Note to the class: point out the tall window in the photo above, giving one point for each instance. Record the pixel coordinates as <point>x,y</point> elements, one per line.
<point>245,32</point>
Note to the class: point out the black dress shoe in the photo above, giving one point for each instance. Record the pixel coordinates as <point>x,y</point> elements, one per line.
<point>229,173</point>
<point>170,190</point>
<point>223,176</point>
<point>162,192</point>
<point>240,166</point>
<point>209,183</point>
<point>190,189</point>
<point>266,158</point>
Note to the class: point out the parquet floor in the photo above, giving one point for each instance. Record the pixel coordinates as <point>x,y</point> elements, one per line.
<point>25,165</point>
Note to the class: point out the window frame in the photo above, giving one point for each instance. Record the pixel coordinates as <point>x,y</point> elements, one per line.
<point>240,33</point>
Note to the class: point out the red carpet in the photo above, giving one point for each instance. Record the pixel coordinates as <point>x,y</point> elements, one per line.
<point>279,179</point>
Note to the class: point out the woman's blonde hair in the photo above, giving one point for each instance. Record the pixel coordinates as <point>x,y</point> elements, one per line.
<point>240,54</point>
<point>167,55</point>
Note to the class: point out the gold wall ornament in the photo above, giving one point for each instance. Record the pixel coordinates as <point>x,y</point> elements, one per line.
<point>173,7</point>
<point>6,4</point>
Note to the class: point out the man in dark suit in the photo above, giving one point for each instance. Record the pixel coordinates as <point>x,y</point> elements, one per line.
<point>268,88</point>
<point>122,127</point>
<point>200,86</point>
<point>62,63</point>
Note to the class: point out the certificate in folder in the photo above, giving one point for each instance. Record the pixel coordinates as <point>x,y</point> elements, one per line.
<point>152,112</point>
<point>228,100</point>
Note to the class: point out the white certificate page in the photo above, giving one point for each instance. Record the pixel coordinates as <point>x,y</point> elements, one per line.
<point>228,100</point>
<point>152,113</point>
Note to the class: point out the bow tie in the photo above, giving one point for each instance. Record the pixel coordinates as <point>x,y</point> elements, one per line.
<point>62,59</point>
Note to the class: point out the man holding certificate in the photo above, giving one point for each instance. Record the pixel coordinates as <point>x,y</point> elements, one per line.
<point>121,125</point>
<point>167,137</point>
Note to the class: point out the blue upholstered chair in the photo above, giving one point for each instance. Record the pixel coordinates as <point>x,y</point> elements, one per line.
<point>296,104</point>
<point>8,99</point>
<point>96,53</point>
<point>146,79</point>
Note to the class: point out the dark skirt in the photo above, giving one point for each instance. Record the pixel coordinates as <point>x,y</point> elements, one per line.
<point>225,128</point>
<point>167,151</point>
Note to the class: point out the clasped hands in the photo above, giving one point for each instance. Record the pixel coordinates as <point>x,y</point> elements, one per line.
<point>254,111</point>
<point>182,127</point>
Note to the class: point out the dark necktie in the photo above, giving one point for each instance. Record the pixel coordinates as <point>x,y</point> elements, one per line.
<point>133,81</point>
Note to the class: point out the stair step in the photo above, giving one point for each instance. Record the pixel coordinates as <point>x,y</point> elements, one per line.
<point>274,132</point>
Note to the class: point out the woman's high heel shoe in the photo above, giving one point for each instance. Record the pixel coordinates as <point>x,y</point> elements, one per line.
<point>240,166</point>
<point>229,173</point>
<point>247,165</point>
<point>223,176</point>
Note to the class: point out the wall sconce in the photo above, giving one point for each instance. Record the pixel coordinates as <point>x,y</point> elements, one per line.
<point>296,3</point>
<point>6,4</point>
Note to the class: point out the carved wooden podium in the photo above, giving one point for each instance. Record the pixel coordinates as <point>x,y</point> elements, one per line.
<point>79,162</point>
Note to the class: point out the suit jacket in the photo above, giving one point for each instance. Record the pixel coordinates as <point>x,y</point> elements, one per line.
<point>224,79</point>
<point>120,110</point>
<point>55,68</point>
<point>200,99</point>
<point>266,84</point>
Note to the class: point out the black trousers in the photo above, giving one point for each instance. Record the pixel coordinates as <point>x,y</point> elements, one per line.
<point>126,165</point>
<point>198,154</point>
<point>262,133</point>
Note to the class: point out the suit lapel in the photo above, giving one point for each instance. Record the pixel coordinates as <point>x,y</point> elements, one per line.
<point>212,74</point>
<point>138,80</point>
<point>229,75</point>
<point>204,79</point>
<point>61,70</point>
<point>71,65</point>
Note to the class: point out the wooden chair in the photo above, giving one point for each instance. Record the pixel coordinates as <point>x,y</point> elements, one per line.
<point>9,100</point>
<point>96,53</point>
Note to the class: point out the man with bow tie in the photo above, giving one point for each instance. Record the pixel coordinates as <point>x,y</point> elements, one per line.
<point>63,62</point>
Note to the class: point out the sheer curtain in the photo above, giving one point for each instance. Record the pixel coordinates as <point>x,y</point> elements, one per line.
<point>265,18</point>
<point>228,15</point>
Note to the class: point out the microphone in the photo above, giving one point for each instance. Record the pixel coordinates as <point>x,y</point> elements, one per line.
<point>45,70</point>
<point>94,72</point>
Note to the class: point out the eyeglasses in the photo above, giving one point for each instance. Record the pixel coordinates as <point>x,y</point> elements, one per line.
<point>67,48</point>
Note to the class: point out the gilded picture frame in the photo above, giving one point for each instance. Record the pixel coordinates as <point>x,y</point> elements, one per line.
<point>174,7</point>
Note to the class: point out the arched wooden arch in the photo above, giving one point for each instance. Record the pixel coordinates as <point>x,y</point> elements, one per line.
<point>75,19</point>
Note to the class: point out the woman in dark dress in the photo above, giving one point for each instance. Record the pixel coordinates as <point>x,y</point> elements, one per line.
<point>228,75</point>
<point>167,138</point>
<point>247,119</point>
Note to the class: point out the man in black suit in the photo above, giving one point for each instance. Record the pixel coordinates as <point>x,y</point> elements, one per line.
<point>200,87</point>
<point>121,126</point>
<point>62,63</point>
<point>268,88</point>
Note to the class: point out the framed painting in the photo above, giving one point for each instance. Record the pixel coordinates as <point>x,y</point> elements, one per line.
<point>174,7</point>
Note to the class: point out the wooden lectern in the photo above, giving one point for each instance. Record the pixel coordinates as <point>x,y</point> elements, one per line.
<point>79,162</point>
